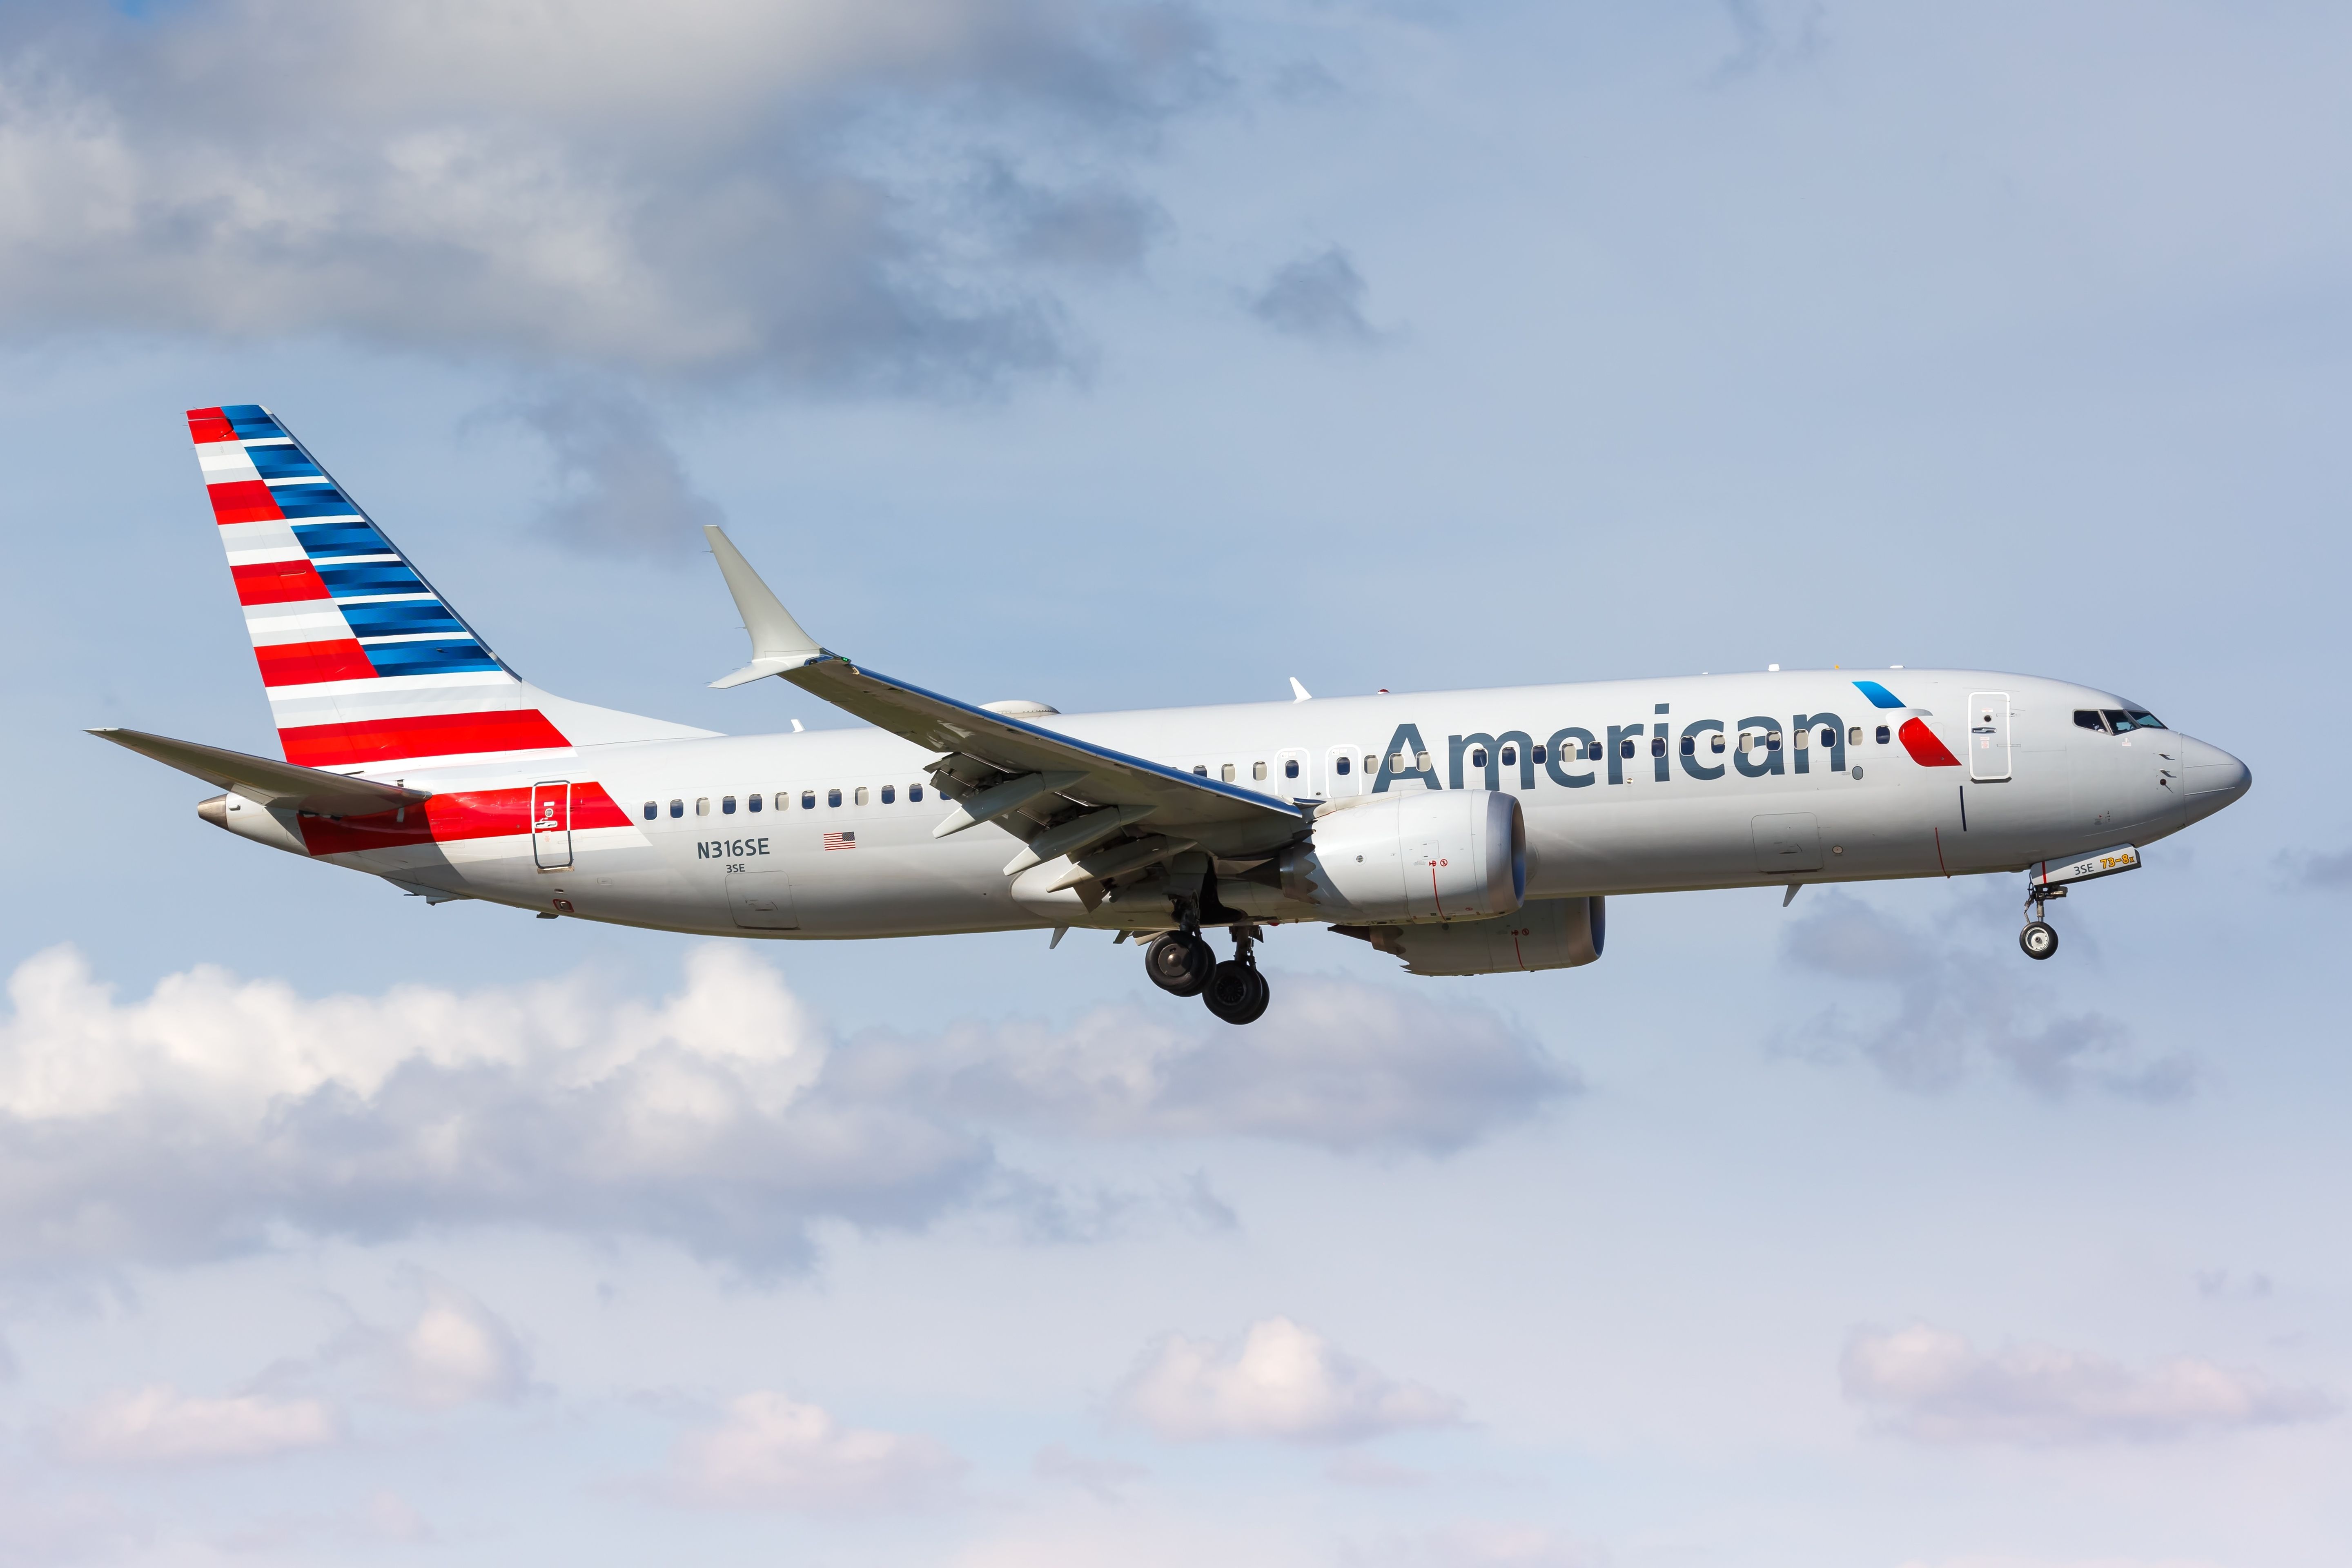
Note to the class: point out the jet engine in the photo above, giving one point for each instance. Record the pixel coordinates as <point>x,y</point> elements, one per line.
<point>1396,859</point>
<point>1550,933</point>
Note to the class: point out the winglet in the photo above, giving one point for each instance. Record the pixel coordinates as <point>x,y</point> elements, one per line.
<point>778,644</point>
<point>1301,694</point>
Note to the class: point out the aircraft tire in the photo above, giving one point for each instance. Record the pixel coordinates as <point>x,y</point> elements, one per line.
<point>2038,939</point>
<point>1179,964</point>
<point>1237,992</point>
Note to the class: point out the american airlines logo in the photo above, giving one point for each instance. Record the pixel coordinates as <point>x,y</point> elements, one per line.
<point>1574,756</point>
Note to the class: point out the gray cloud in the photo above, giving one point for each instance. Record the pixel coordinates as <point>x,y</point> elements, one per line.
<point>2323,873</point>
<point>718,195</point>
<point>1318,297</point>
<point>621,487</point>
<point>1926,1384</point>
<point>217,1112</point>
<point>1953,1006</point>
<point>1097,228</point>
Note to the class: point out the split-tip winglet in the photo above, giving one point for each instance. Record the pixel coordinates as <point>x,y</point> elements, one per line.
<point>778,643</point>
<point>1299,693</point>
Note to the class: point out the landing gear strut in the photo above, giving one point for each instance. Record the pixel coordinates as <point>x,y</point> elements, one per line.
<point>1237,992</point>
<point>2040,938</point>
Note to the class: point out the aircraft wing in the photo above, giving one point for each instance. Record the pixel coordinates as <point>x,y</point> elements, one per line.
<point>266,783</point>
<point>982,750</point>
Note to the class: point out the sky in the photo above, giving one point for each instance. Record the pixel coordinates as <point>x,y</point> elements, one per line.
<point>1114,355</point>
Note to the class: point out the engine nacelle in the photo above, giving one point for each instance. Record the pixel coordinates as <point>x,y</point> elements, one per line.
<point>1444,855</point>
<point>1550,933</point>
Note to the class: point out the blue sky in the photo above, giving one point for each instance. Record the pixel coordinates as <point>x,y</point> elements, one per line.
<point>1111,356</point>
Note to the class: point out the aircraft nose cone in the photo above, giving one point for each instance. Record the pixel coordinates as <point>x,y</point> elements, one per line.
<point>2211,777</point>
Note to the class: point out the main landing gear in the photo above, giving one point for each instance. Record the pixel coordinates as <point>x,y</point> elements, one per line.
<point>2040,938</point>
<point>1181,963</point>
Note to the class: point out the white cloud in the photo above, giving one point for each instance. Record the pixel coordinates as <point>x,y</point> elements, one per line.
<point>711,194</point>
<point>725,1118</point>
<point>456,1351</point>
<point>772,1451</point>
<point>1334,1063</point>
<point>1952,1004</point>
<point>1933,1385</point>
<point>158,1425</point>
<point>1278,1381</point>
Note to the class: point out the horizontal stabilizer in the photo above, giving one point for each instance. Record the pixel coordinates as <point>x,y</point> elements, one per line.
<point>266,783</point>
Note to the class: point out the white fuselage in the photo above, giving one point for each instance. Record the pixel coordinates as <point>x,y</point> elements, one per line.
<point>2031,786</point>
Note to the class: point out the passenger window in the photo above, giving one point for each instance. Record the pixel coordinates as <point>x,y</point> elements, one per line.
<point>860,797</point>
<point>1258,769</point>
<point>1690,745</point>
<point>808,800</point>
<point>677,808</point>
<point>1772,741</point>
<point>1290,766</point>
<point>1829,739</point>
<point>2088,718</point>
<point>1746,741</point>
<point>783,800</point>
<point>702,805</point>
<point>726,806</point>
<point>1420,761</point>
<point>1371,765</point>
<point>1853,736</point>
<point>1225,774</point>
<point>1624,748</point>
<point>833,797</point>
<point>652,811</point>
<point>1477,756</point>
<point>756,802</point>
<point>1884,735</point>
<point>1342,767</point>
<point>1396,762</point>
<point>1804,737</point>
<point>889,794</point>
<point>1200,770</point>
<point>1536,753</point>
<point>1715,744</point>
<point>1511,756</point>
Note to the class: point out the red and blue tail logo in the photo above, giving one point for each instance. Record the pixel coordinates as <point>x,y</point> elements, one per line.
<point>364,662</point>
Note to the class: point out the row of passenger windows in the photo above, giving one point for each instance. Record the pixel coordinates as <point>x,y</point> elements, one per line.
<point>1400,762</point>
<point>859,795</point>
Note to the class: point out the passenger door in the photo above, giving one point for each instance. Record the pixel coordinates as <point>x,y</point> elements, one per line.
<point>550,824</point>
<point>1987,731</point>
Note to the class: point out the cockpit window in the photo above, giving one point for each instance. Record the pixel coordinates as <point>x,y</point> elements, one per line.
<point>2122,720</point>
<point>2088,718</point>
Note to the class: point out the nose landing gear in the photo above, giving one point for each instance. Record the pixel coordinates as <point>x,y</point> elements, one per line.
<point>2040,938</point>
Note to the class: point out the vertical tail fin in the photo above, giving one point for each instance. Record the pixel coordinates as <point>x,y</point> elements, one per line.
<point>365,663</point>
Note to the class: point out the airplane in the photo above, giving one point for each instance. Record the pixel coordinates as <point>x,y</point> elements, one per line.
<point>1474,832</point>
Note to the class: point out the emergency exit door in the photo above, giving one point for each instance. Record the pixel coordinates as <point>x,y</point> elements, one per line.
<point>550,824</point>
<point>1988,730</point>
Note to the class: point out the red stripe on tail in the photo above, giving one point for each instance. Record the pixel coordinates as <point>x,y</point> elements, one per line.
<point>278,582</point>
<point>308,663</point>
<point>243,500</point>
<point>210,424</point>
<point>424,735</point>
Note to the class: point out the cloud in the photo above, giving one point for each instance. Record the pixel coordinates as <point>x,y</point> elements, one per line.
<point>1952,1004</point>
<point>219,1114</point>
<point>158,1425</point>
<point>2323,873</point>
<point>1925,1383</point>
<point>453,1352</point>
<point>1278,1381</point>
<point>725,194</point>
<point>1482,1544</point>
<point>1337,1064</point>
<point>772,1451</point>
<point>1318,297</point>
<point>623,489</point>
<point>1099,1479</point>
<point>1096,227</point>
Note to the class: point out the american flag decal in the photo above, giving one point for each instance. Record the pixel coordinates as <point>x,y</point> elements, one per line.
<point>841,841</point>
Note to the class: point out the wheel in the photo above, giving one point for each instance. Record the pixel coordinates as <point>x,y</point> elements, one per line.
<point>1179,964</point>
<point>2039,940</point>
<point>1237,992</point>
